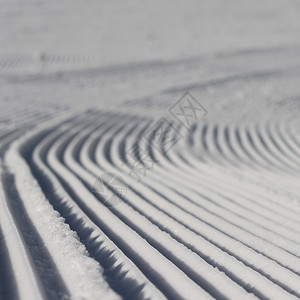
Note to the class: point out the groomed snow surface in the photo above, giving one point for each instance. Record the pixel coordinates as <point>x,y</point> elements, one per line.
<point>149,150</point>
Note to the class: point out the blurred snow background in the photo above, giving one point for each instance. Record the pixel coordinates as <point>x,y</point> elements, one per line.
<point>133,54</point>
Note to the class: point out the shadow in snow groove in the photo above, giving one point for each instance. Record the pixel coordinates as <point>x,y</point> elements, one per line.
<point>49,276</point>
<point>8,287</point>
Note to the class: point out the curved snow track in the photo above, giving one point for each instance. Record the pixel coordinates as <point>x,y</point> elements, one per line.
<point>96,203</point>
<point>205,221</point>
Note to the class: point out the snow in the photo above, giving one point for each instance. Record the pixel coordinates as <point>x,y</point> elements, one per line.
<point>215,216</point>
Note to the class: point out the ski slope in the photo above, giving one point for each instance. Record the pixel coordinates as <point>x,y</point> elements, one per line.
<point>94,204</point>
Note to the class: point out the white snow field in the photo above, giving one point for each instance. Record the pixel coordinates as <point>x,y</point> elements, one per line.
<point>149,149</point>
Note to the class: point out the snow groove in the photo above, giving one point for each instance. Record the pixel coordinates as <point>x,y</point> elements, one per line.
<point>218,241</point>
